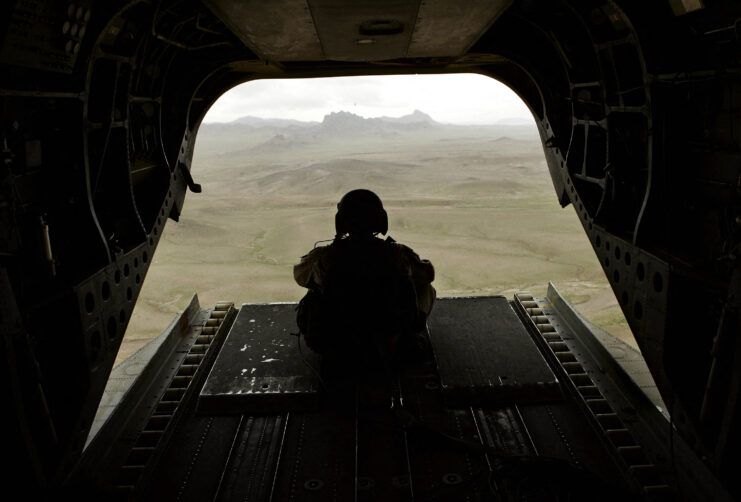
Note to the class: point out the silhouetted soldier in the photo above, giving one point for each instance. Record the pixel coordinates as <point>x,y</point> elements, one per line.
<point>368,298</point>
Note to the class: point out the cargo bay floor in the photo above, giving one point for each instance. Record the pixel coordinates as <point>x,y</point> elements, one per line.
<point>513,400</point>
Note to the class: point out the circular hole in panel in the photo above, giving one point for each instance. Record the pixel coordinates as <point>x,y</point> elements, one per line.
<point>117,276</point>
<point>452,478</point>
<point>105,291</point>
<point>638,310</point>
<point>126,270</point>
<point>640,271</point>
<point>616,276</point>
<point>136,262</point>
<point>607,262</point>
<point>145,257</point>
<point>590,225</point>
<point>151,241</point>
<point>154,230</point>
<point>111,327</point>
<point>607,245</point>
<point>122,316</point>
<point>129,294</point>
<point>617,252</point>
<point>162,213</point>
<point>658,282</point>
<point>137,279</point>
<point>169,194</point>
<point>626,257</point>
<point>89,303</point>
<point>598,241</point>
<point>312,484</point>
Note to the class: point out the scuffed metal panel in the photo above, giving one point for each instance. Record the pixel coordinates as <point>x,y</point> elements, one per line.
<point>448,29</point>
<point>484,355</point>
<point>364,30</point>
<point>280,30</point>
<point>260,368</point>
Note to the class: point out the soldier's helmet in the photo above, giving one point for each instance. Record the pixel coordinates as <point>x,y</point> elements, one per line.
<point>360,212</point>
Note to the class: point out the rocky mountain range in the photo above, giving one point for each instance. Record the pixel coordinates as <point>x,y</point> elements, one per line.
<point>262,135</point>
<point>333,119</point>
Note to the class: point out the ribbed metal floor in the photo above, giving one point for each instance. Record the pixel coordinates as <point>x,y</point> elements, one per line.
<point>418,434</point>
<point>446,427</point>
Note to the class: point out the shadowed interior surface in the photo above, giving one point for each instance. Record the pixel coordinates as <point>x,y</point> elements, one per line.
<point>484,355</point>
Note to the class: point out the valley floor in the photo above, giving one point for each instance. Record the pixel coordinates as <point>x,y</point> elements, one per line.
<point>477,201</point>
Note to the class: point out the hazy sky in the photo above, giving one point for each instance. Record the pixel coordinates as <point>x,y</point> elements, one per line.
<point>456,99</point>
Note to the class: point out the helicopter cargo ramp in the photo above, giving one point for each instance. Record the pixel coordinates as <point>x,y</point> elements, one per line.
<point>448,425</point>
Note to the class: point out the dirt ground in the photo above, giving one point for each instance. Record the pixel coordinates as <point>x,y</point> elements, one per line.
<point>477,201</point>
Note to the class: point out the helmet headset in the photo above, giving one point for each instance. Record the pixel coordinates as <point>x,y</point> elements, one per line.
<point>360,211</point>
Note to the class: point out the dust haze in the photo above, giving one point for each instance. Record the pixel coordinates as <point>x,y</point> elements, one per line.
<point>475,200</point>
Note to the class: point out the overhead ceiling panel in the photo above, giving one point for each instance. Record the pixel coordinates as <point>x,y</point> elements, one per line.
<point>359,30</point>
<point>278,30</point>
<point>364,30</point>
<point>448,29</point>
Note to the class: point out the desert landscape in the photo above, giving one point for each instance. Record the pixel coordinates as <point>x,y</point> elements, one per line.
<point>475,200</point>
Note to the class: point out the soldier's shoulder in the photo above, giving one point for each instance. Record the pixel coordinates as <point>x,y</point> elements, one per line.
<point>406,250</point>
<point>318,253</point>
<point>402,251</point>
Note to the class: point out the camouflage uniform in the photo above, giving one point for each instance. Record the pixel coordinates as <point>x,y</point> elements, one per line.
<point>314,267</point>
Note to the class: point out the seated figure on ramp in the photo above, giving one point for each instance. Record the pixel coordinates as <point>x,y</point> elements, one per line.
<point>368,297</point>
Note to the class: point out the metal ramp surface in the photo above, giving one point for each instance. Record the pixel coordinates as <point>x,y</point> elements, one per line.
<point>260,368</point>
<point>482,351</point>
<point>425,432</point>
<point>485,355</point>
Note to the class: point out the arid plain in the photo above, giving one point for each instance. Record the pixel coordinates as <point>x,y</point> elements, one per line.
<point>475,200</point>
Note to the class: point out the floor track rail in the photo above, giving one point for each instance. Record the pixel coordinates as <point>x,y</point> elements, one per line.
<point>616,435</point>
<point>165,415</point>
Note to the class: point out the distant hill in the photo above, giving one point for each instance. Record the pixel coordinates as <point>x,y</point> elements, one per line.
<point>346,122</point>
<point>515,121</point>
<point>261,122</point>
<point>333,118</point>
<point>278,142</point>
<point>349,124</point>
<point>416,117</point>
<point>413,118</point>
<point>502,139</point>
<point>255,135</point>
